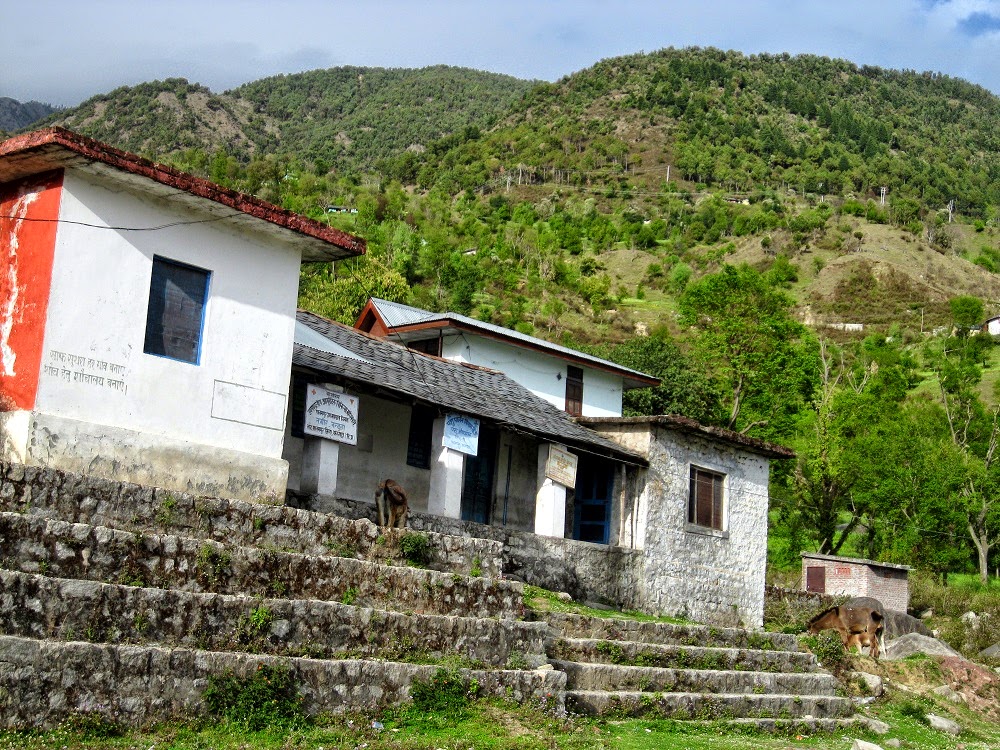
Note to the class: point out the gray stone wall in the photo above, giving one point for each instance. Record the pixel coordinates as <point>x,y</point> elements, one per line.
<point>68,550</point>
<point>588,572</point>
<point>701,574</point>
<point>44,682</point>
<point>100,502</point>
<point>36,606</point>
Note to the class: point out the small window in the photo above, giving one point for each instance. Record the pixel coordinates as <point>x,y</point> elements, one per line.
<point>176,313</point>
<point>574,391</point>
<point>418,447</point>
<point>427,346</point>
<point>706,506</point>
<point>300,384</point>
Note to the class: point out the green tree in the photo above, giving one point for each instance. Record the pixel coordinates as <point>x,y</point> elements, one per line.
<point>340,292</point>
<point>975,433</point>
<point>683,389</point>
<point>967,312</point>
<point>741,327</point>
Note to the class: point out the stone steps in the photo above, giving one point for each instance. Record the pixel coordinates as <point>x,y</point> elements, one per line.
<point>635,653</point>
<point>624,667</point>
<point>615,677</point>
<point>664,633</point>
<point>73,550</point>
<point>44,681</point>
<point>62,609</point>
<point>96,502</point>
<point>700,705</point>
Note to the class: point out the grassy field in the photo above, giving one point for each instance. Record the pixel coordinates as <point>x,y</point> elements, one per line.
<point>498,726</point>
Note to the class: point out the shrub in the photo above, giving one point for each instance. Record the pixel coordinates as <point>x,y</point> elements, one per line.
<point>445,692</point>
<point>269,697</point>
<point>416,548</point>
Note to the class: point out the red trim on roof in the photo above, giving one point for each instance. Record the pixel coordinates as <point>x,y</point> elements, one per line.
<point>165,175</point>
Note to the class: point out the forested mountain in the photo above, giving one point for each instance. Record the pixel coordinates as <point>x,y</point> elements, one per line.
<point>341,117</point>
<point>15,115</point>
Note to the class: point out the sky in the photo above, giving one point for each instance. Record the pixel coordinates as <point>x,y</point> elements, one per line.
<point>62,52</point>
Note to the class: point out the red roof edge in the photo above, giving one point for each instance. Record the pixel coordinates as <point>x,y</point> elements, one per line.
<point>165,175</point>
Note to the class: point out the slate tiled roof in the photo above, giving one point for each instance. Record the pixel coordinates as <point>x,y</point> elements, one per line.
<point>398,316</point>
<point>469,389</point>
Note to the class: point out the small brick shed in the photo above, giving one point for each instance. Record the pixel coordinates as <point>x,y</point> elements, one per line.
<point>829,574</point>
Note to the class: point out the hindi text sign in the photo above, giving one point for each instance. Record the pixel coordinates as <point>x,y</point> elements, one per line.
<point>331,415</point>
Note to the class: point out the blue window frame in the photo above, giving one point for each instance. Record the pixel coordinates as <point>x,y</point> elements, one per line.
<point>175,317</point>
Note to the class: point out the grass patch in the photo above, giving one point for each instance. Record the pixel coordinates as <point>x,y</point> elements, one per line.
<point>541,600</point>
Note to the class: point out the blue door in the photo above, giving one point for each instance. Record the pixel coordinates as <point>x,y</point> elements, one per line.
<point>592,500</point>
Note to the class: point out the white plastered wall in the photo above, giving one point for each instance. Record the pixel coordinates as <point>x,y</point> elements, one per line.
<point>383,437</point>
<point>226,413</point>
<point>542,374</point>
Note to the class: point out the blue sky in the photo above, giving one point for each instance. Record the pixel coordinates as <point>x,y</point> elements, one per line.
<point>64,51</point>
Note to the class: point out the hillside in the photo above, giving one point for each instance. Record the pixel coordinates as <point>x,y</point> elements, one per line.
<point>344,117</point>
<point>15,115</point>
<point>590,202</point>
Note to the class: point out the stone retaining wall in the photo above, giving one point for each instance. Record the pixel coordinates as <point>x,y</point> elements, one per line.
<point>64,609</point>
<point>588,572</point>
<point>44,682</point>
<point>67,550</point>
<point>100,502</point>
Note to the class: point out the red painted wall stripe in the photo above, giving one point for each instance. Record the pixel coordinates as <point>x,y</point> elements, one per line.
<point>29,210</point>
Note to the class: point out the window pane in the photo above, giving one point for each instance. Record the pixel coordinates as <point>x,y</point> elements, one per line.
<point>174,318</point>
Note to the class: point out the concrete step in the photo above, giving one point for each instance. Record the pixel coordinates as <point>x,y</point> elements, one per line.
<point>706,705</point>
<point>634,653</point>
<point>615,629</point>
<point>43,682</point>
<point>98,553</point>
<point>614,677</point>
<point>40,607</point>
<point>97,502</point>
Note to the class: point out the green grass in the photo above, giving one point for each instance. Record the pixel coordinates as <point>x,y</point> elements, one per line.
<point>489,725</point>
<point>543,600</point>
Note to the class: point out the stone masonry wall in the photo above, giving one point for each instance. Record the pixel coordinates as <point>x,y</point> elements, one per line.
<point>702,574</point>
<point>42,682</point>
<point>100,502</point>
<point>588,572</point>
<point>36,606</point>
<point>67,550</point>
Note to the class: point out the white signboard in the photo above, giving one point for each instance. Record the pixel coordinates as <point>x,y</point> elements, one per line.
<point>561,467</point>
<point>331,415</point>
<point>461,433</point>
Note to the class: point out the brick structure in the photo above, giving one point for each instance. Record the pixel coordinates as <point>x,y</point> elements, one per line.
<point>828,574</point>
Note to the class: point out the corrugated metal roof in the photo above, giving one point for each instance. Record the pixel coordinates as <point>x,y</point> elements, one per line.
<point>472,390</point>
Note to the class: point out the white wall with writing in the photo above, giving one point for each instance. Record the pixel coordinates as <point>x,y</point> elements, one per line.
<point>93,365</point>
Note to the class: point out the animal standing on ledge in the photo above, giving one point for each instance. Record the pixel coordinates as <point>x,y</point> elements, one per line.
<point>860,626</point>
<point>392,504</point>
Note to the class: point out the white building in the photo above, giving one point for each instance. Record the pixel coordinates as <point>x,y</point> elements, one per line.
<point>392,421</point>
<point>146,318</point>
<point>578,383</point>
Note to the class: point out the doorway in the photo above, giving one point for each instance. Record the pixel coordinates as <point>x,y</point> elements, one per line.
<point>477,480</point>
<point>595,481</point>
